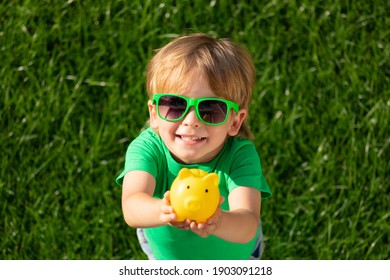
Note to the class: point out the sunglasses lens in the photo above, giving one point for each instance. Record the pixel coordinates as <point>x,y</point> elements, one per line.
<point>212,111</point>
<point>172,107</point>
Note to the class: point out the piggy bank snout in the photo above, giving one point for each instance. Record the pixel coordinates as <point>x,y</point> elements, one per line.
<point>192,203</point>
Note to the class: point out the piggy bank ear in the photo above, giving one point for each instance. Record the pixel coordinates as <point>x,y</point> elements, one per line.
<point>211,179</point>
<point>184,173</point>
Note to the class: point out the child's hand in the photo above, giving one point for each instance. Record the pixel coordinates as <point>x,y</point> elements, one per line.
<point>211,225</point>
<point>168,214</point>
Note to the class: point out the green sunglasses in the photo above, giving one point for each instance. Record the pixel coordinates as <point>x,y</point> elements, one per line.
<point>211,111</point>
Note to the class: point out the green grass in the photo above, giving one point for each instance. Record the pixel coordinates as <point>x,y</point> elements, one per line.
<point>72,97</point>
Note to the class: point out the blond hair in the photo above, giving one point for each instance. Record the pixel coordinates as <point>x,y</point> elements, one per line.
<point>227,67</point>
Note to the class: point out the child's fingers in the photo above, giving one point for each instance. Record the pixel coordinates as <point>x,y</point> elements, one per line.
<point>168,218</point>
<point>182,225</point>
<point>167,209</point>
<point>167,214</point>
<point>167,197</point>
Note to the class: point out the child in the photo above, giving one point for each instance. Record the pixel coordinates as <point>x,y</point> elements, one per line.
<point>200,89</point>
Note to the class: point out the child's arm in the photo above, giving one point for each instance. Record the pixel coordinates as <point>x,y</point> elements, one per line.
<point>139,207</point>
<point>238,225</point>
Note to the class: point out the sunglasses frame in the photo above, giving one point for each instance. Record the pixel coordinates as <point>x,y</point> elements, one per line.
<point>194,102</point>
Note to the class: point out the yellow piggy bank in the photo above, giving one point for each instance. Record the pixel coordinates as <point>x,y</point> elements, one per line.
<point>195,195</point>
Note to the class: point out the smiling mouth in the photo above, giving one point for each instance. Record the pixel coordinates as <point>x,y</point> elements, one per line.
<point>190,139</point>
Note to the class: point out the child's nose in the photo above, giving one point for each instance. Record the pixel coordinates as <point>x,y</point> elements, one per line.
<point>191,119</point>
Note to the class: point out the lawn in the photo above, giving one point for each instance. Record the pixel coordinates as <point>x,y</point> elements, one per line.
<point>72,97</point>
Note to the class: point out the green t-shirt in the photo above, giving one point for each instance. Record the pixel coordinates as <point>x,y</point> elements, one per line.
<point>237,164</point>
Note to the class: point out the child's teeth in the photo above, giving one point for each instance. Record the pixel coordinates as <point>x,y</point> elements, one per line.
<point>191,138</point>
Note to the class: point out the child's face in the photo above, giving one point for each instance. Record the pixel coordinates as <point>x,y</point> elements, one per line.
<point>190,140</point>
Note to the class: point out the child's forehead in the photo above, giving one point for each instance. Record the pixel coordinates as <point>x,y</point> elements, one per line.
<point>179,80</point>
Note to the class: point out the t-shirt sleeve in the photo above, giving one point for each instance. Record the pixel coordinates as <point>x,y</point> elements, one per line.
<point>141,155</point>
<point>246,170</point>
